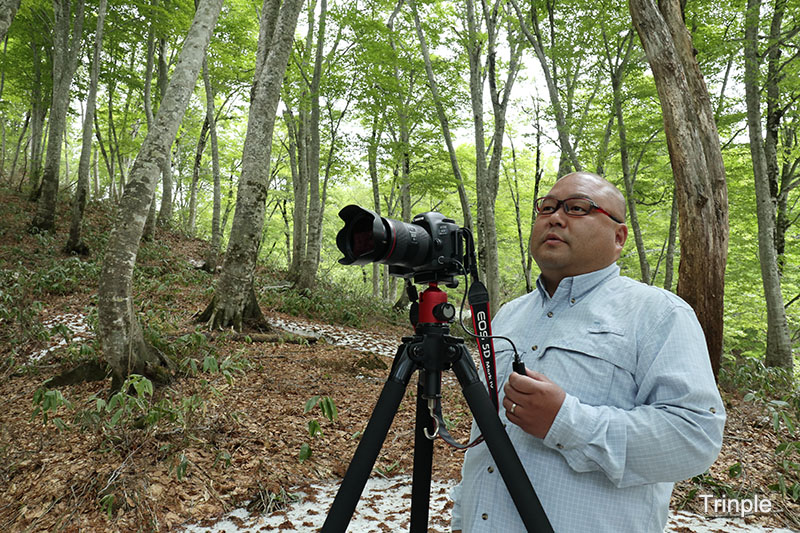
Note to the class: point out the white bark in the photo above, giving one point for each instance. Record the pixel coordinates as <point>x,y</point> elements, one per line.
<point>82,188</point>
<point>235,288</point>
<point>66,49</point>
<point>124,348</point>
<point>779,346</point>
<point>8,9</point>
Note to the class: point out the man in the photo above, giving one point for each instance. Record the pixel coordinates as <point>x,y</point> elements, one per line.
<point>619,400</point>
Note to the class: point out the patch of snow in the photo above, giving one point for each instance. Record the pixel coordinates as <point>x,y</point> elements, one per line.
<point>340,336</point>
<point>385,506</point>
<point>79,332</point>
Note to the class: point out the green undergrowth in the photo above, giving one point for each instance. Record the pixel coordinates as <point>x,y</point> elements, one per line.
<point>329,302</point>
<point>773,394</point>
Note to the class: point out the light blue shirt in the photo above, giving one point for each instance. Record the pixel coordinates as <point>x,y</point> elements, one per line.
<point>642,409</point>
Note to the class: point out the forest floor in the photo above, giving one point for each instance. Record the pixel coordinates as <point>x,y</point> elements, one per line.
<point>228,440</point>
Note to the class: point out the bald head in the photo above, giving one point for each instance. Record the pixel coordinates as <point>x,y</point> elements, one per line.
<point>569,244</point>
<point>606,193</point>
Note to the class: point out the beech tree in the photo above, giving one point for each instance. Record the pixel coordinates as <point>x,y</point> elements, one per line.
<point>74,243</point>
<point>314,65</point>
<point>696,158</point>
<point>8,9</point>
<point>487,173</point>
<point>765,169</point>
<point>443,119</point>
<point>531,29</point>
<point>124,347</point>
<point>234,301</point>
<point>216,231</point>
<point>67,39</point>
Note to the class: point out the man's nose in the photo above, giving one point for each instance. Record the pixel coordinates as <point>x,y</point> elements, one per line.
<point>559,216</point>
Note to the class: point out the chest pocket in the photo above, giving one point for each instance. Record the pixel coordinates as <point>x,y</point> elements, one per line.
<point>596,367</point>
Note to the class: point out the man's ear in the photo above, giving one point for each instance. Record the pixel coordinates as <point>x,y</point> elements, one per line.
<point>620,236</point>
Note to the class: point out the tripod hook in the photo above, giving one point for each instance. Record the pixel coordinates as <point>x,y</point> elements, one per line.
<point>432,410</point>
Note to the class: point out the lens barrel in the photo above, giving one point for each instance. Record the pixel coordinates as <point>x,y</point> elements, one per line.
<point>369,238</point>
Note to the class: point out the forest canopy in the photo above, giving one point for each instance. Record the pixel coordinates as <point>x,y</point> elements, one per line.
<point>469,109</point>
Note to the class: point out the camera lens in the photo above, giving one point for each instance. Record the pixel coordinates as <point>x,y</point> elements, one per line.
<point>370,238</point>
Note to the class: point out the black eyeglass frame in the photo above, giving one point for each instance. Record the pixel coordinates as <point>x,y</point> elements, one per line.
<point>563,203</point>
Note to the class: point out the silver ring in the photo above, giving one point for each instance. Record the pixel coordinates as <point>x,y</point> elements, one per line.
<point>513,406</point>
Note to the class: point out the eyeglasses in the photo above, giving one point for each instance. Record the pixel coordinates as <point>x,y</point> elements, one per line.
<point>574,207</point>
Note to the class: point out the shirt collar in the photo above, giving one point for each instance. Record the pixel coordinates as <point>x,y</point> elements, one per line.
<point>575,287</point>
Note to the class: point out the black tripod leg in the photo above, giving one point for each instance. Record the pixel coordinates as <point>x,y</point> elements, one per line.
<point>423,461</point>
<point>511,469</point>
<point>344,505</point>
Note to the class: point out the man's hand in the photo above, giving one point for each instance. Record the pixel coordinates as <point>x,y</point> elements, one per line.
<point>537,400</point>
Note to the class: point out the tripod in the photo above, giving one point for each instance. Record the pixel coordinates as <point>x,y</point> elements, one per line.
<point>432,350</point>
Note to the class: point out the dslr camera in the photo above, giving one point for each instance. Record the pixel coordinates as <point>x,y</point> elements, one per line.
<point>430,249</point>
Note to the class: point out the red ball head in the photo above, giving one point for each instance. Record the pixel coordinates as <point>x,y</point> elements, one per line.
<point>428,300</point>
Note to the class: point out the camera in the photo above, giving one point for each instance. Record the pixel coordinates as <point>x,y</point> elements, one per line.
<point>429,249</point>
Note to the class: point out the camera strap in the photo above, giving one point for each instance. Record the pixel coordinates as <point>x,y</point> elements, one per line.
<point>482,325</point>
<point>481,322</point>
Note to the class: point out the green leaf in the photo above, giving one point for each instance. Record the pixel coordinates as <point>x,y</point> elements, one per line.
<point>305,452</point>
<point>60,424</point>
<point>310,404</point>
<point>314,428</point>
<point>210,364</point>
<point>329,408</point>
<point>107,504</point>
<point>143,386</point>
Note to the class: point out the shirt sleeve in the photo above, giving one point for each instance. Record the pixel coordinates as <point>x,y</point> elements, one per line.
<point>455,520</point>
<point>673,432</point>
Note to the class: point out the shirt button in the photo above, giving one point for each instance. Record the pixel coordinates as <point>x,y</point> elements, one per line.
<point>485,516</point>
<point>490,469</point>
<point>549,314</point>
<point>560,446</point>
<point>535,347</point>
<point>572,301</point>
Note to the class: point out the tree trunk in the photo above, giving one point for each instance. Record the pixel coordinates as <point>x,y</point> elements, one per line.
<point>96,175</point>
<point>616,72</point>
<point>437,101</point>
<point>198,159</point>
<point>696,158</point>
<point>124,347</point>
<point>308,269</point>
<point>487,174</point>
<point>216,232</point>
<point>19,147</point>
<point>516,199</point>
<point>300,193</point>
<point>235,287</point>
<point>537,180</point>
<point>38,112</point>
<point>8,9</point>
<point>779,347</point>
<point>372,162</point>
<point>65,61</point>
<point>788,182</point>
<point>150,225</point>
<point>3,119</point>
<point>568,155</point>
<point>403,159</point>
<point>74,243</point>
<point>165,211</point>
<point>669,267</point>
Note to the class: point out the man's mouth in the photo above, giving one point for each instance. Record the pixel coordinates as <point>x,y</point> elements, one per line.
<point>552,238</point>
